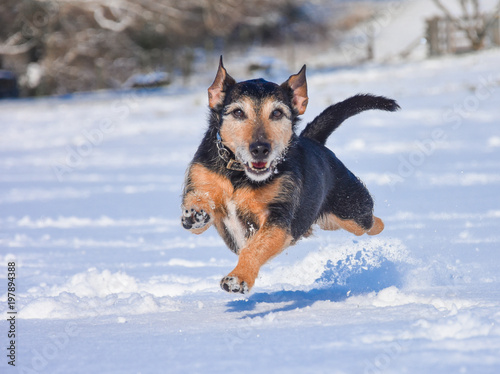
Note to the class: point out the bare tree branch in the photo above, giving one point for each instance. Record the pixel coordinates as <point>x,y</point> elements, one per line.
<point>444,9</point>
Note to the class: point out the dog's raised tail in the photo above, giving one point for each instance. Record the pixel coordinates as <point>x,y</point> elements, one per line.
<point>333,116</point>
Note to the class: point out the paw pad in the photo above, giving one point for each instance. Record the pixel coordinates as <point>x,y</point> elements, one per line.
<point>194,219</point>
<point>233,285</point>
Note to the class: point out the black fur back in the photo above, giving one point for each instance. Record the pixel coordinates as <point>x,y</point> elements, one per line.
<point>333,116</point>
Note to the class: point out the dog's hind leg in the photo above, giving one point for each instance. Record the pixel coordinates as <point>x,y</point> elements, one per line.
<point>377,228</point>
<point>349,205</point>
<point>330,221</point>
<point>268,242</point>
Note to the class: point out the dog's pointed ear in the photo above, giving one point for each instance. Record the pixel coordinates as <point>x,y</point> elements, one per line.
<point>217,90</point>
<point>298,84</point>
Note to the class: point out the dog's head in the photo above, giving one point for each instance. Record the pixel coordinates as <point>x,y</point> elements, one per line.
<point>257,118</point>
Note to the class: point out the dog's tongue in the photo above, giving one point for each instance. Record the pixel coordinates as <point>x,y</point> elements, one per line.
<point>259,165</point>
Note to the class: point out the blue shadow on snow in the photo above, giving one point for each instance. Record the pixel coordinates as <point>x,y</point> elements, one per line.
<point>363,280</point>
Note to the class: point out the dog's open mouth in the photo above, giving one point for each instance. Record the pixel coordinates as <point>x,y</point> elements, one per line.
<point>260,167</point>
<point>260,170</point>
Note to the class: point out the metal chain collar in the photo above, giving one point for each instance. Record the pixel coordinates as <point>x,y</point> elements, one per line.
<point>225,155</point>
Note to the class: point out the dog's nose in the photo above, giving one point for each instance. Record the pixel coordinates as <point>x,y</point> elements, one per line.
<point>260,150</point>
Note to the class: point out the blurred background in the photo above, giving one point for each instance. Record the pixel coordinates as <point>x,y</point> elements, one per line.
<point>56,47</point>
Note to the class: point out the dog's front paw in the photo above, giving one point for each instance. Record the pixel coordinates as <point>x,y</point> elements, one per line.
<point>193,219</point>
<point>234,285</point>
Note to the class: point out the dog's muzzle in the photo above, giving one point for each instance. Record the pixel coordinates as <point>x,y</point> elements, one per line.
<point>260,152</point>
<point>259,163</point>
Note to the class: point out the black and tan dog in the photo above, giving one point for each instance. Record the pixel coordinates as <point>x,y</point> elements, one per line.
<point>261,185</point>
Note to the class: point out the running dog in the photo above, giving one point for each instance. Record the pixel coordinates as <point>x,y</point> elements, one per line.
<point>263,186</point>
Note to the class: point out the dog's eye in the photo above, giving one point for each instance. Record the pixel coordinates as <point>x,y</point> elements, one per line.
<point>238,113</point>
<point>277,114</point>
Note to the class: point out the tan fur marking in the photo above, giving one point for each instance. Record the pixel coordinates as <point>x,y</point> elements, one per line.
<point>209,192</point>
<point>378,226</point>
<point>236,132</point>
<point>349,225</point>
<point>269,242</point>
<point>255,201</point>
<point>325,222</point>
<point>279,132</point>
<point>206,181</point>
<point>332,222</point>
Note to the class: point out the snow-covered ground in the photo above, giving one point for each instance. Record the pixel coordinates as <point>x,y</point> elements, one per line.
<point>108,281</point>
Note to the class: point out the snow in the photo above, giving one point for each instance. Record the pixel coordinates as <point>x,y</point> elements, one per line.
<point>108,281</point>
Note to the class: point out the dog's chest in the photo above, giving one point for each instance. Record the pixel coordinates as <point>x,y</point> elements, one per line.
<point>238,227</point>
